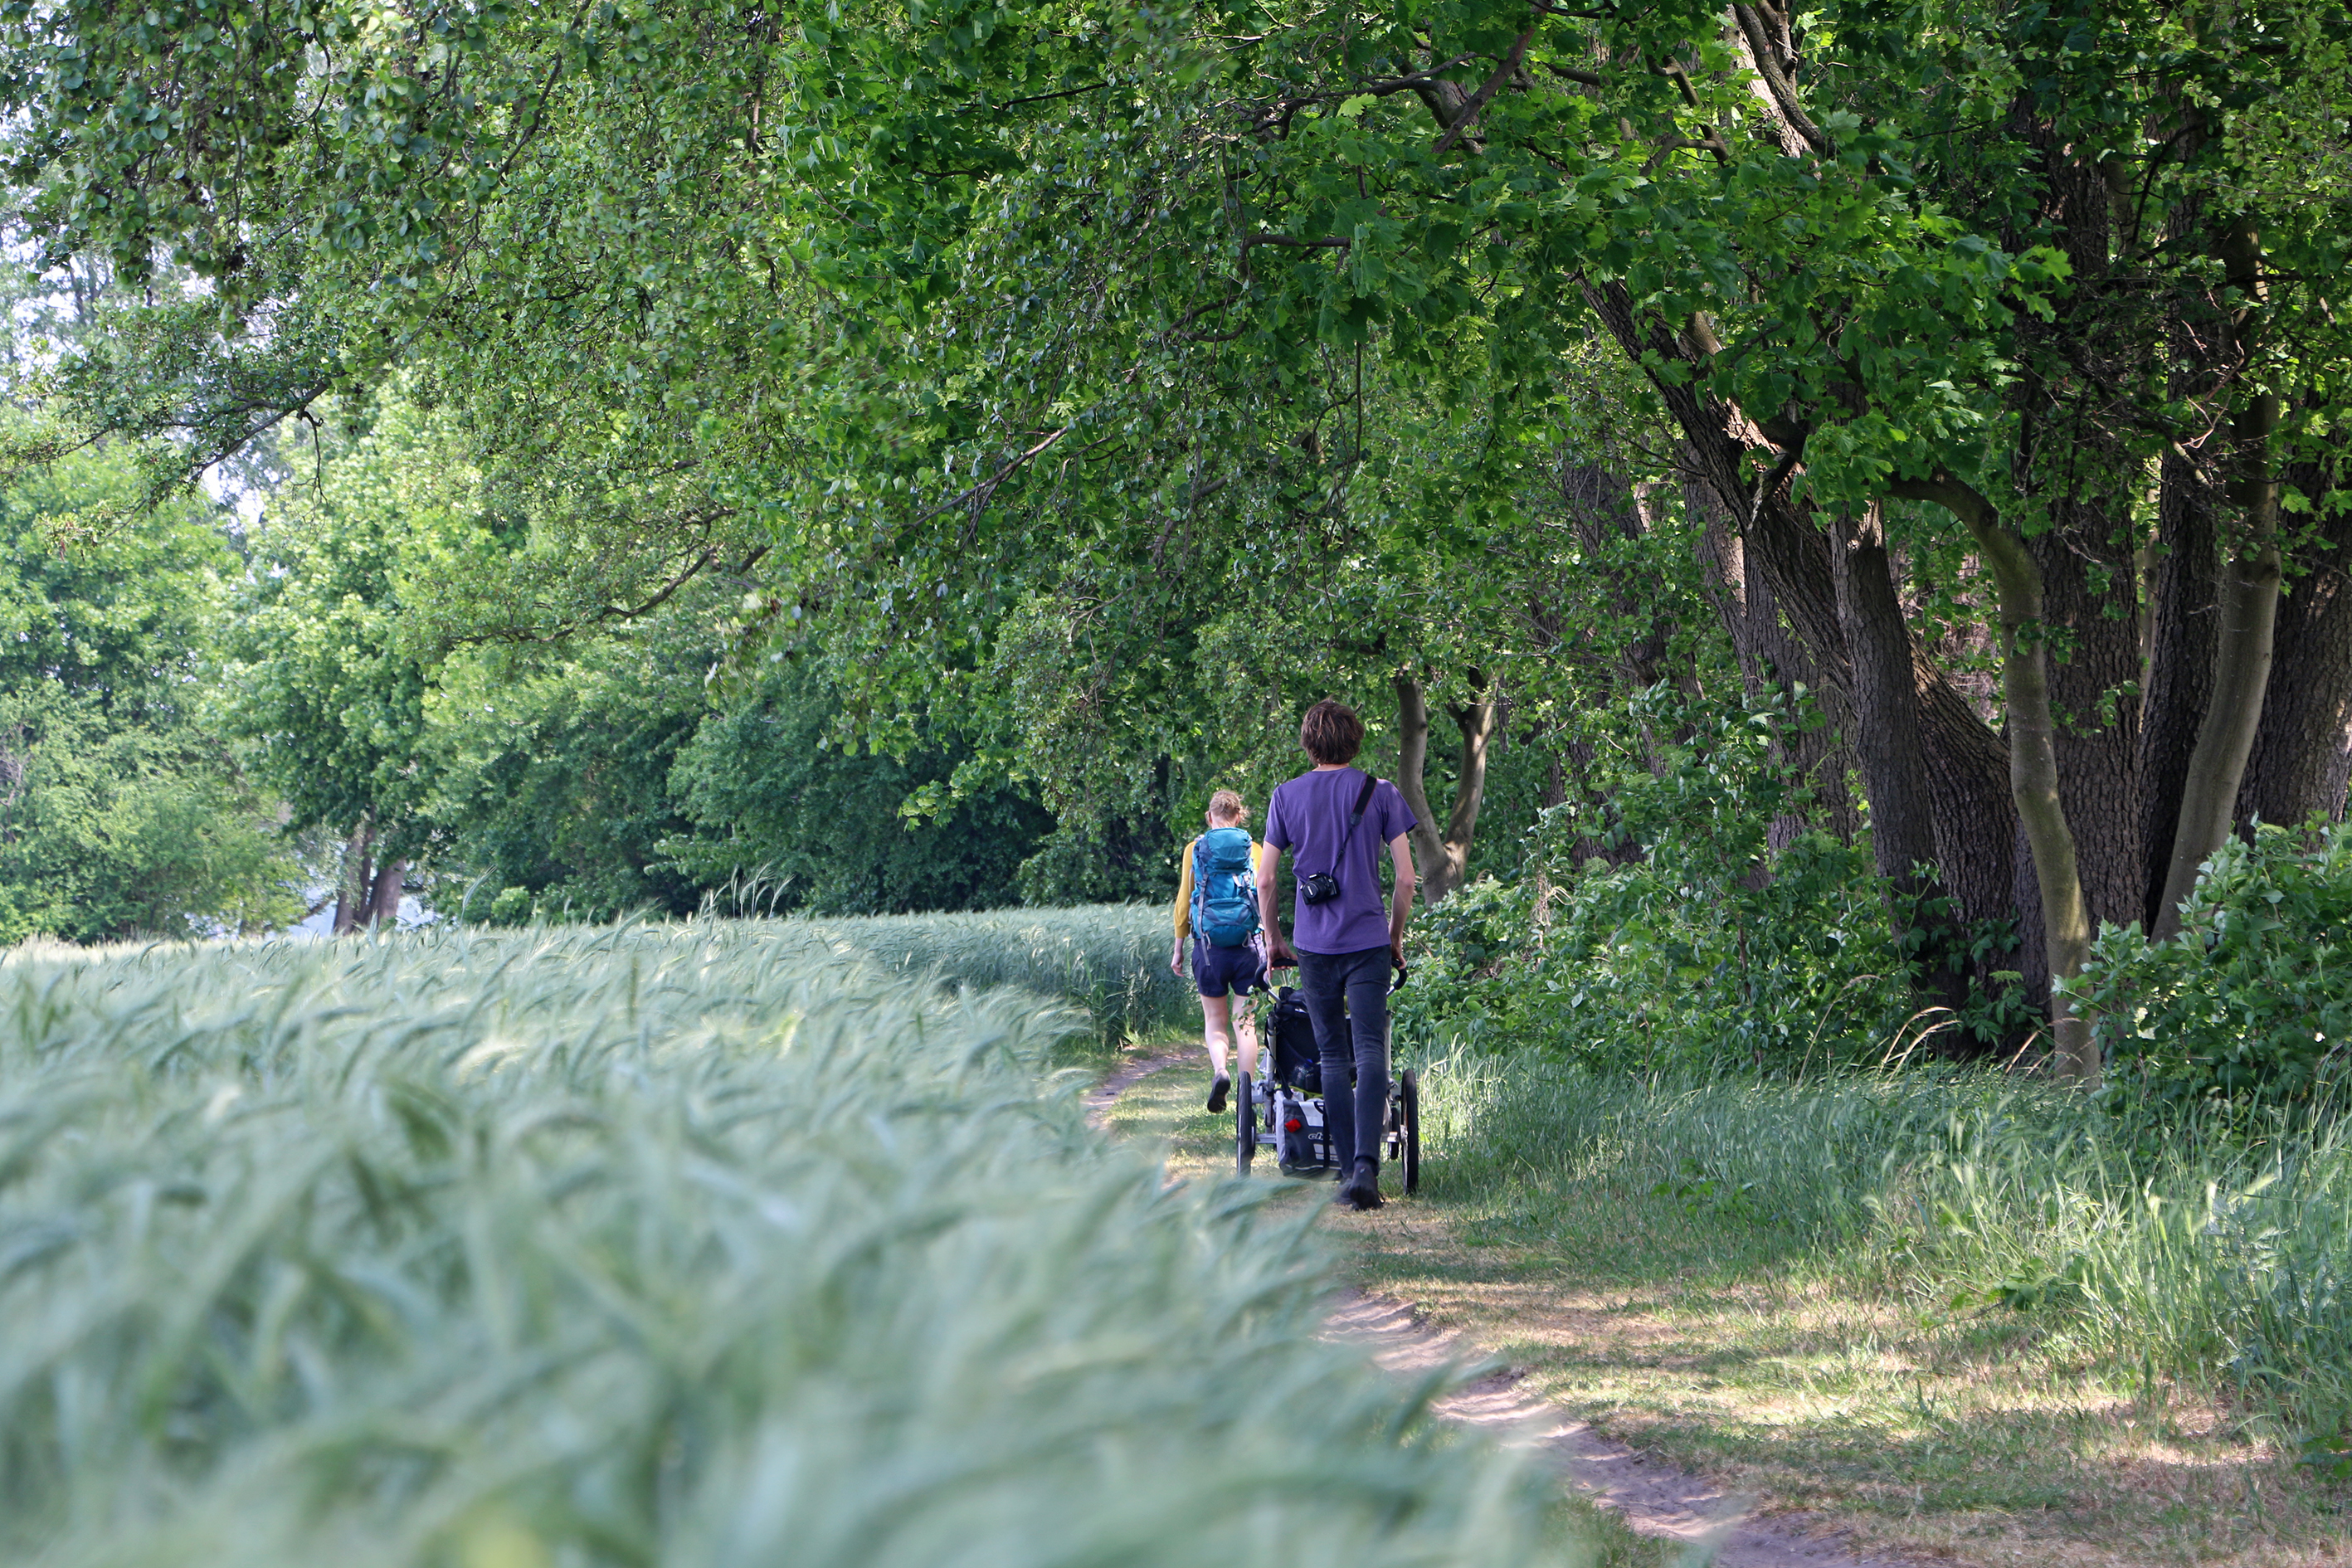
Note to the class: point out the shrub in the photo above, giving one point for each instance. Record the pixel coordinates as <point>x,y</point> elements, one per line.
<point>1710,948</point>
<point>2250,1004</point>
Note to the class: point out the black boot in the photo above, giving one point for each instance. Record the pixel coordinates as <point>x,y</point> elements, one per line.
<point>1362,1188</point>
<point>1217,1092</point>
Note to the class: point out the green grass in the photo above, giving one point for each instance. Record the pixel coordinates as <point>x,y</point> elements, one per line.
<point>707,1244</point>
<point>1951,1313</point>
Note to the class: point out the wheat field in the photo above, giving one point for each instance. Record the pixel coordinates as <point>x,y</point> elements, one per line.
<point>720,1243</point>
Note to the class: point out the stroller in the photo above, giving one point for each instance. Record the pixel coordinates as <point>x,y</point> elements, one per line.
<point>1285,1107</point>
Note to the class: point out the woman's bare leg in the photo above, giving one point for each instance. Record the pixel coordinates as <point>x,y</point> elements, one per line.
<point>1217,1028</point>
<point>1246,1042</point>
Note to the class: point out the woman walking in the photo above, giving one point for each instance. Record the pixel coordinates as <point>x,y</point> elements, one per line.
<point>1333,818</point>
<point>1217,910</point>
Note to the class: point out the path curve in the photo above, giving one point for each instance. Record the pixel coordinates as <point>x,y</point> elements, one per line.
<point>1104,1095</point>
<point>1654,1498</point>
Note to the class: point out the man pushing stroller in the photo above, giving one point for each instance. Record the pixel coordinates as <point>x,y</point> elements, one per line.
<point>1332,820</point>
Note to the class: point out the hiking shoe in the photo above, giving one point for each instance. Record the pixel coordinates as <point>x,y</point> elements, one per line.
<point>1362,1188</point>
<point>1217,1092</point>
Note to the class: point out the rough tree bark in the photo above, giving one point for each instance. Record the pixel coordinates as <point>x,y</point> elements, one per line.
<point>1786,549</point>
<point>1979,840</point>
<point>2251,575</point>
<point>1888,748</point>
<point>2302,753</point>
<point>2093,670</point>
<point>1888,745</point>
<point>2242,668</point>
<point>383,894</point>
<point>2183,618</point>
<point>1772,660</point>
<point>2079,477</point>
<point>1441,857</point>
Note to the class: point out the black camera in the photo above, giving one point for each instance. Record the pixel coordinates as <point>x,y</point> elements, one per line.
<point>1318,888</point>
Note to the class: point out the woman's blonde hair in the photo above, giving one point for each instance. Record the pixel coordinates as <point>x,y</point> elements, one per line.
<point>1228,807</point>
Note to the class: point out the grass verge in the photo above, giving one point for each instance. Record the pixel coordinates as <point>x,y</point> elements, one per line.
<point>1910,1308</point>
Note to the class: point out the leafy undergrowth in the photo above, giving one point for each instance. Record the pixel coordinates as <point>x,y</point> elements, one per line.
<point>604,1247</point>
<point>1937,1313</point>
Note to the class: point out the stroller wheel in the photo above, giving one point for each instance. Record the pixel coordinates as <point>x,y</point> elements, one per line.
<point>1409,1112</point>
<point>1245,1125</point>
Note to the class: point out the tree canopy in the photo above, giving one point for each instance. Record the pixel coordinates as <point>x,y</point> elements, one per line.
<point>1088,383</point>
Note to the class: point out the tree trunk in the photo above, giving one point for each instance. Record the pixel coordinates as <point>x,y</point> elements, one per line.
<point>1886,742</point>
<point>2082,476</point>
<point>352,892</point>
<point>1784,550</point>
<point>2184,616</point>
<point>1440,859</point>
<point>2242,666</point>
<point>2032,761</point>
<point>2303,750</point>
<point>1886,706</point>
<point>2251,573</point>
<point>2093,659</point>
<point>1970,769</point>
<point>383,898</point>
<point>1771,659</point>
<point>1977,836</point>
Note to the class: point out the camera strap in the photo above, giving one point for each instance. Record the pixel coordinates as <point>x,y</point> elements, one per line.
<point>1363,799</point>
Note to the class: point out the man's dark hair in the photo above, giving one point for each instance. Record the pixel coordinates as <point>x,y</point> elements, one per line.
<point>1332,733</point>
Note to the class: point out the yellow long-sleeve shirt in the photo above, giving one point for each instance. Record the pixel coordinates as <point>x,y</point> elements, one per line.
<point>1184,883</point>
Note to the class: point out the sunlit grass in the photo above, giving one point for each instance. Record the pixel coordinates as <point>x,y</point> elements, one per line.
<point>1948,1311</point>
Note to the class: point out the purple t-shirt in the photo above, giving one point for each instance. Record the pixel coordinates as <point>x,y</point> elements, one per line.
<point>1307,819</point>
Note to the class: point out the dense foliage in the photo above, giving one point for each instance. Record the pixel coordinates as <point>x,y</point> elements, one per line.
<point>122,810</point>
<point>908,458</point>
<point>1677,931</point>
<point>2250,1004</point>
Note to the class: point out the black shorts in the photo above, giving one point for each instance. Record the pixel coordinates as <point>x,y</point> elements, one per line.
<point>1217,970</point>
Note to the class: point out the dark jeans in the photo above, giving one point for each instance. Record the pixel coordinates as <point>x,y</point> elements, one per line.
<point>1347,996</point>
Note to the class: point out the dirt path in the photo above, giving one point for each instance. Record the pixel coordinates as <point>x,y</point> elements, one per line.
<point>1104,1095</point>
<point>1652,1499</point>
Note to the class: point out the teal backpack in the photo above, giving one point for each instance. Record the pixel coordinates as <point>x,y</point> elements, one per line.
<point>1225,888</point>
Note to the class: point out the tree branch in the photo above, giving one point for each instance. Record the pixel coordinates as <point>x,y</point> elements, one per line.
<point>1776,82</point>
<point>987,487</point>
<point>1486,90</point>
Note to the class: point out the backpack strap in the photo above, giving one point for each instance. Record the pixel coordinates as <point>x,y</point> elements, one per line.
<point>1200,883</point>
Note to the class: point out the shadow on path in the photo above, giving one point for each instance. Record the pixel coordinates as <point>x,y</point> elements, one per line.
<point>1652,1499</point>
